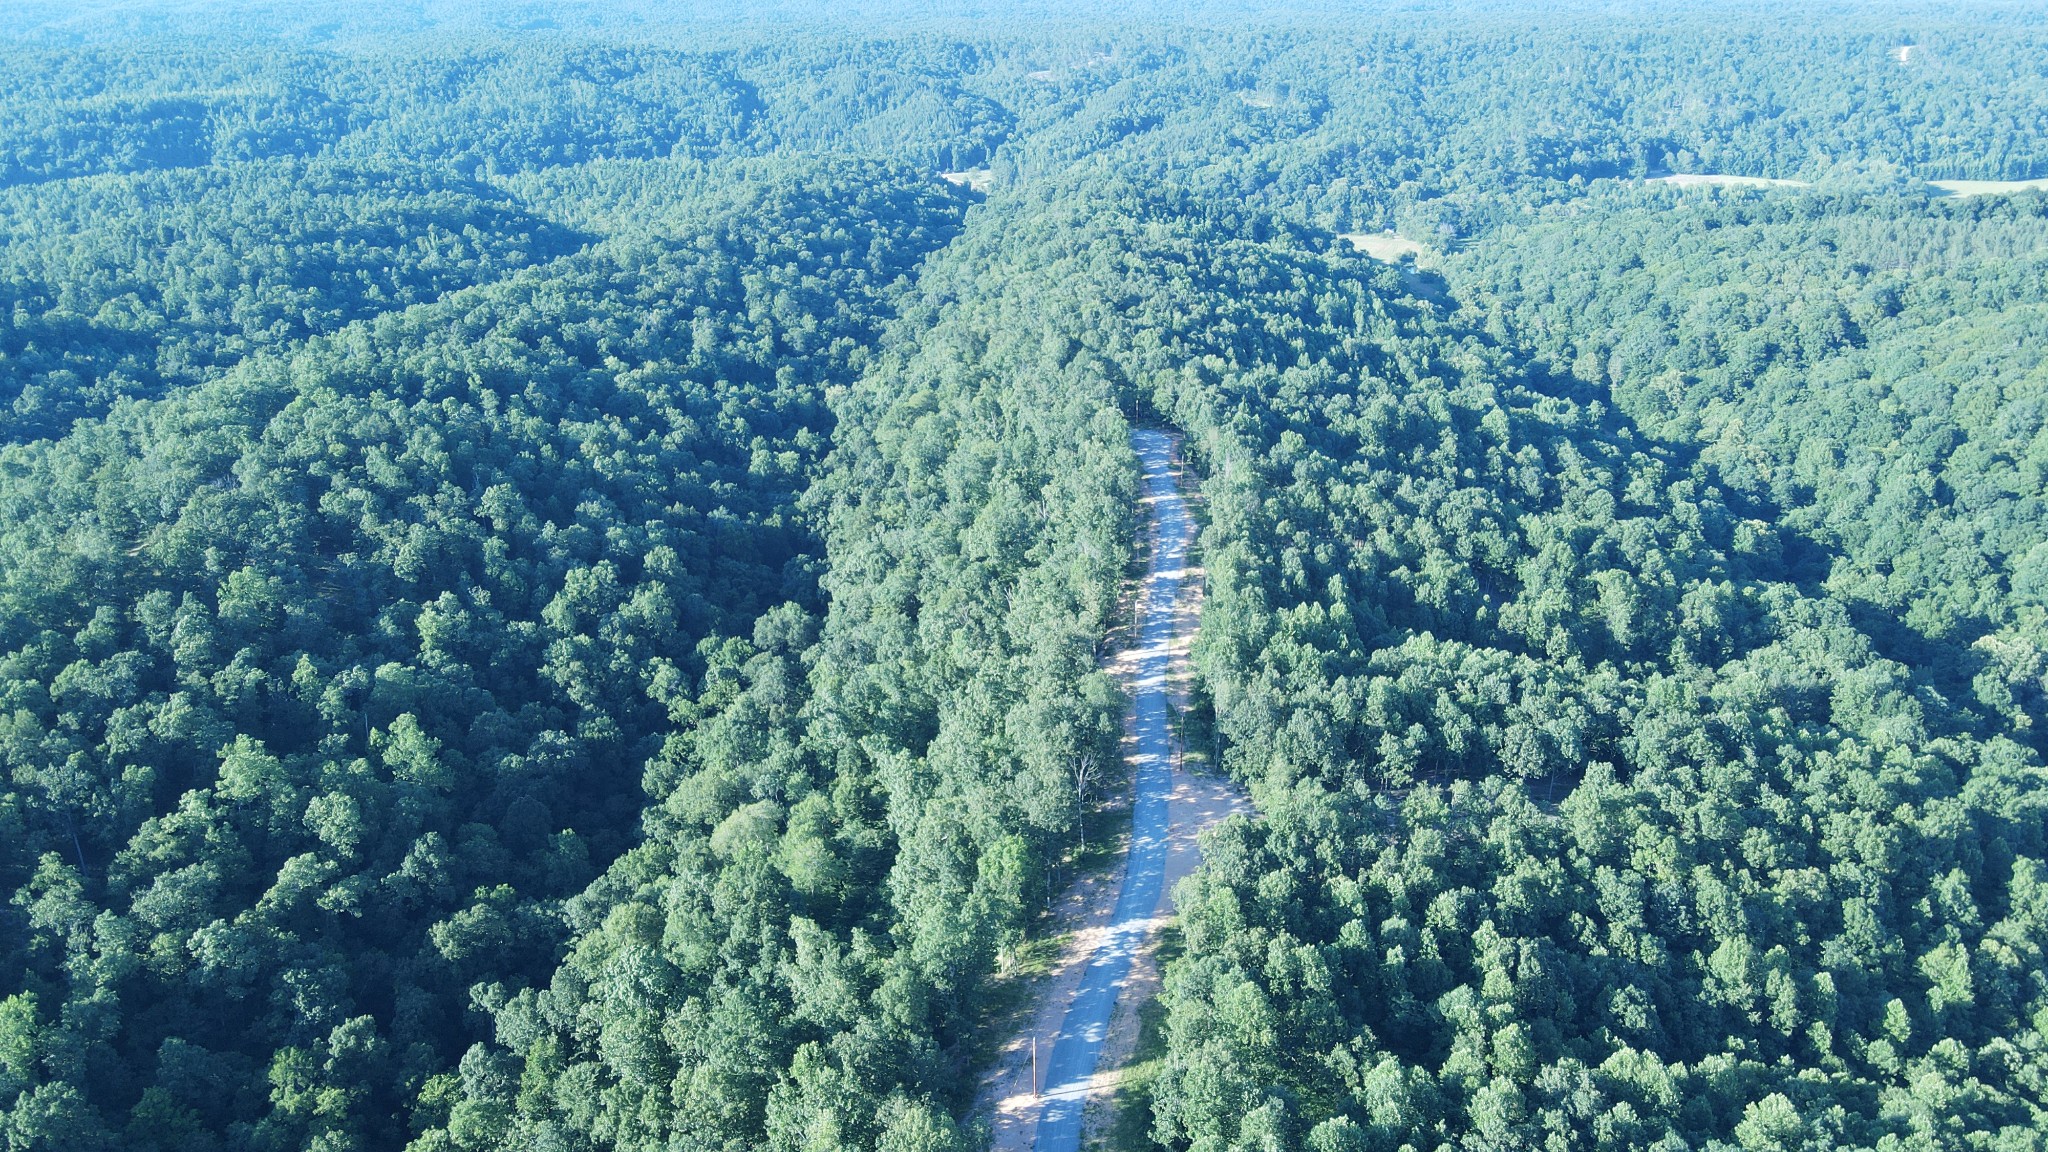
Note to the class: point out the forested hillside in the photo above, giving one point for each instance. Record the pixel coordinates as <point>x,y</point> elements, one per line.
<point>855,815</point>
<point>555,565</point>
<point>1587,815</point>
<point>1870,367</point>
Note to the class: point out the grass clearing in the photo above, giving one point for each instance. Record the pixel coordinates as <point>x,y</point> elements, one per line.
<point>1951,187</point>
<point>1035,956</point>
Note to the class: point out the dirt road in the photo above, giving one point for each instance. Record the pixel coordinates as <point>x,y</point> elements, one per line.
<point>1070,1071</point>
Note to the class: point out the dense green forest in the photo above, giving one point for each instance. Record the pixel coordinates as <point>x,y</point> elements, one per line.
<point>555,564</point>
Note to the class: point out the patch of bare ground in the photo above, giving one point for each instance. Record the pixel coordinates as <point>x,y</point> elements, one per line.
<point>1951,187</point>
<point>1416,264</point>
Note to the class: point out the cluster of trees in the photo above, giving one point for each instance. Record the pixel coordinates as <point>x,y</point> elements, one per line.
<point>94,108</point>
<point>510,110</point>
<point>131,286</point>
<point>1866,369</point>
<point>490,106</point>
<point>1446,126</point>
<point>1343,119</point>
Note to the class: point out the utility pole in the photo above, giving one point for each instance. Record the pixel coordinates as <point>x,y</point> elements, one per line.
<point>1034,1067</point>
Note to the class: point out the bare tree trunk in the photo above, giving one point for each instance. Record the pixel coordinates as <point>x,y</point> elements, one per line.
<point>1084,782</point>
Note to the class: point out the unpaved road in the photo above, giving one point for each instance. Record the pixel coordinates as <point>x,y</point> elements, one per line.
<point>1111,927</point>
<point>1070,1070</point>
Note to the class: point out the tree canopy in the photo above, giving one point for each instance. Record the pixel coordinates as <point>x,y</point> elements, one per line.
<point>556,560</point>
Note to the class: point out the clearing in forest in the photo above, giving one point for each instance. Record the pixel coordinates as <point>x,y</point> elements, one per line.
<point>1952,187</point>
<point>972,179</point>
<point>1387,247</point>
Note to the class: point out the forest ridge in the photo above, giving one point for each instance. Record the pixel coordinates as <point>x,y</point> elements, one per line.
<point>556,563</point>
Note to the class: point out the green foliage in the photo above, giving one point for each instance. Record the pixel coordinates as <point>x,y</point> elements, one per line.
<point>331,676</point>
<point>1864,369</point>
<point>553,574</point>
<point>858,817</point>
<point>1585,818</point>
<point>130,286</point>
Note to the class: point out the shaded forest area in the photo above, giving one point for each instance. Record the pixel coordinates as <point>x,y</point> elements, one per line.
<point>553,570</point>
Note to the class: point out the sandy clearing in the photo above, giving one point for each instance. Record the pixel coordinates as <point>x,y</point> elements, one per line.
<point>1988,187</point>
<point>1904,53</point>
<point>1387,247</point>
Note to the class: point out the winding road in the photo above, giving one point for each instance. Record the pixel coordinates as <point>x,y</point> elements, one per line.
<point>1071,1069</point>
